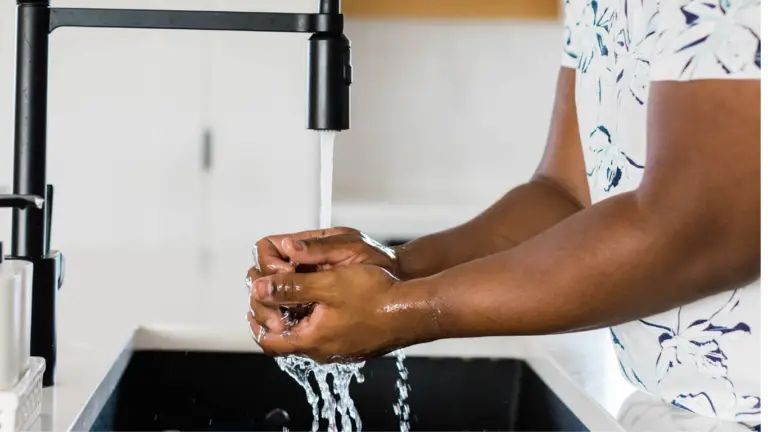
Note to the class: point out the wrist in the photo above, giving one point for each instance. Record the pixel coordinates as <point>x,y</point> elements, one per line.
<point>414,313</point>
<point>400,263</point>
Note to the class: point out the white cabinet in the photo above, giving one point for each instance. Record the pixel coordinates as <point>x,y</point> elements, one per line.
<point>124,134</point>
<point>124,137</point>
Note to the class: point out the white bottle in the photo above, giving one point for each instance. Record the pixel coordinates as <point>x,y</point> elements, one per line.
<point>10,323</point>
<point>25,270</point>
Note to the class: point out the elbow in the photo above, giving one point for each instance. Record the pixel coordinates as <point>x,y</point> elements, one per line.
<point>707,244</point>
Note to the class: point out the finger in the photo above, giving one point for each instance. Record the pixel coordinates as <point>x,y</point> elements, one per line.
<point>260,335</point>
<point>267,317</point>
<point>269,259</point>
<point>257,330</point>
<point>253,275</point>
<point>274,344</point>
<point>289,289</point>
<point>335,250</point>
<point>269,253</point>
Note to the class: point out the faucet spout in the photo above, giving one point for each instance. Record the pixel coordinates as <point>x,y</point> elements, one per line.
<point>330,79</point>
<point>329,76</point>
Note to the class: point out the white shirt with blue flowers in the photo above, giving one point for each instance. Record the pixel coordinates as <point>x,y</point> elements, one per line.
<point>703,357</point>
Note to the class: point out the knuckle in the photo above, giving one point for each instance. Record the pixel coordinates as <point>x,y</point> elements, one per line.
<point>283,289</point>
<point>286,291</point>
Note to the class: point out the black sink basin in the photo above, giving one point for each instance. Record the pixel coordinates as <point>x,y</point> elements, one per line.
<point>198,391</point>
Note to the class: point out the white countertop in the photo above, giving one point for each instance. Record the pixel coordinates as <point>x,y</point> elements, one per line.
<point>115,301</point>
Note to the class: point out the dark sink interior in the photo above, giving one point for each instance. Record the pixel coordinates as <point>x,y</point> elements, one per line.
<point>199,391</point>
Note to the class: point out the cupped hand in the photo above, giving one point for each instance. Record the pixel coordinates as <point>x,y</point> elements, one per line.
<point>354,315</point>
<point>321,250</point>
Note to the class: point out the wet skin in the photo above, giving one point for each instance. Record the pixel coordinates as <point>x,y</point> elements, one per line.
<point>541,260</point>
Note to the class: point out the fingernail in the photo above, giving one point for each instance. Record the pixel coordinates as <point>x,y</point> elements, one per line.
<point>249,282</point>
<point>298,245</point>
<point>262,289</point>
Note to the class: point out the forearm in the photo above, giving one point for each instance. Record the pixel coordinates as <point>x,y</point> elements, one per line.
<point>609,264</point>
<point>557,191</point>
<point>520,215</point>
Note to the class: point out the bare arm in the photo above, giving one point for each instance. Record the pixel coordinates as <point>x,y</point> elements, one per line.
<point>691,230</point>
<point>557,190</point>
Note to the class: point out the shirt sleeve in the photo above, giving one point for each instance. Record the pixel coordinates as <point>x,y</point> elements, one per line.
<point>698,39</point>
<point>572,27</point>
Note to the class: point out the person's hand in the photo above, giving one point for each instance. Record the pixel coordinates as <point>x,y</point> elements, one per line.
<point>271,318</point>
<point>311,251</point>
<point>321,250</point>
<point>354,315</point>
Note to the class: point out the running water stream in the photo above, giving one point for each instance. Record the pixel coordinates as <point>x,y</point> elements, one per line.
<point>335,398</point>
<point>402,410</point>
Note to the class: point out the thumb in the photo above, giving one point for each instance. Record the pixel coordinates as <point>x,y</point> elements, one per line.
<point>333,250</point>
<point>290,289</point>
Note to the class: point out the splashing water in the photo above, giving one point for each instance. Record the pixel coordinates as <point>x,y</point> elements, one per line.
<point>337,402</point>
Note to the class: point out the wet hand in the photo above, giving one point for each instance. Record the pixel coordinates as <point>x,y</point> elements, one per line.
<point>321,250</point>
<point>354,314</point>
<point>270,318</point>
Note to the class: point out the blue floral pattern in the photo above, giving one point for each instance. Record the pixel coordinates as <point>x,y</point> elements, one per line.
<point>702,357</point>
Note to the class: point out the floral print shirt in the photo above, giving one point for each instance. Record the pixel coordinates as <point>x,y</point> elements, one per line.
<point>703,357</point>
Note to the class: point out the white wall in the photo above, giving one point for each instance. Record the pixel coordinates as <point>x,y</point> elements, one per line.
<point>7,51</point>
<point>446,112</point>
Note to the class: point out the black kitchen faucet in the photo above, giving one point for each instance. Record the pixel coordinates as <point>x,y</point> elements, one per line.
<point>329,81</point>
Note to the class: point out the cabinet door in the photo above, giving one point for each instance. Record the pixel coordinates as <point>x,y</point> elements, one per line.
<point>124,138</point>
<point>264,176</point>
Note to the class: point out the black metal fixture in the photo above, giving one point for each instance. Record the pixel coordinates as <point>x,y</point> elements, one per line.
<point>329,80</point>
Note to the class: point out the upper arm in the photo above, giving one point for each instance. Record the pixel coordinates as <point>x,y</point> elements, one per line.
<point>563,161</point>
<point>703,142</point>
